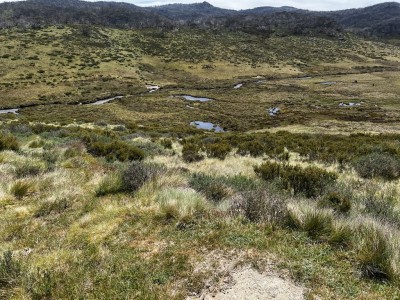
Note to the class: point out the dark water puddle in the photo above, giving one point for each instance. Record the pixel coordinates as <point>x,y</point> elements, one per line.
<point>207,126</point>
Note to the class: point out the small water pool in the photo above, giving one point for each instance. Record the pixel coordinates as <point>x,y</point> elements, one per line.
<point>207,126</point>
<point>104,101</point>
<point>9,111</point>
<point>199,99</point>
<point>328,82</point>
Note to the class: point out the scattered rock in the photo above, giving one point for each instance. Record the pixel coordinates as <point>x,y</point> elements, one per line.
<point>152,88</point>
<point>274,111</point>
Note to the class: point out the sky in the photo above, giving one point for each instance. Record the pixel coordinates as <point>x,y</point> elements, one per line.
<point>240,4</point>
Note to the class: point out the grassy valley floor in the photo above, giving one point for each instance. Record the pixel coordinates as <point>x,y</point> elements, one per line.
<point>128,200</point>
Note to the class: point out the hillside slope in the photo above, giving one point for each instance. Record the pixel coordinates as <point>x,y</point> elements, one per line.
<point>35,13</point>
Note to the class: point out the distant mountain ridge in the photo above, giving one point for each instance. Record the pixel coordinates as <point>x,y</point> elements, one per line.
<point>33,13</point>
<point>377,20</point>
<point>190,12</point>
<point>382,20</point>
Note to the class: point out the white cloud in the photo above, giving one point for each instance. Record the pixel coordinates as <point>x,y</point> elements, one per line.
<point>240,4</point>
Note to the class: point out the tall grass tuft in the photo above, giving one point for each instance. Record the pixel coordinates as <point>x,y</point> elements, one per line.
<point>182,203</point>
<point>111,184</point>
<point>377,251</point>
<point>21,188</point>
<point>318,223</point>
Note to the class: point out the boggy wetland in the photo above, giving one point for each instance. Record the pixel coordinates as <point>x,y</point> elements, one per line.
<point>190,163</point>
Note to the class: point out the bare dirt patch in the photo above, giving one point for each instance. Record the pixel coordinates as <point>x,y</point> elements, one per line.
<point>248,283</point>
<point>235,281</point>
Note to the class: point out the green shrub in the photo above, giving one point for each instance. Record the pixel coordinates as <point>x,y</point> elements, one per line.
<point>115,150</point>
<point>283,156</point>
<point>212,188</point>
<point>337,201</point>
<point>138,173</point>
<point>191,153</point>
<point>381,207</point>
<point>29,169</point>
<point>8,142</point>
<point>52,207</point>
<point>310,181</point>
<point>218,150</point>
<point>10,270</point>
<point>40,284</point>
<point>111,184</point>
<point>51,158</point>
<point>74,149</point>
<point>260,205</point>
<point>20,189</point>
<point>269,171</point>
<point>253,148</point>
<point>382,165</point>
<point>166,143</point>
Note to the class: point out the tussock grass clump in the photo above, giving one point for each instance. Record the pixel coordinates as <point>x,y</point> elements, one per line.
<point>377,251</point>
<point>111,184</point>
<point>21,188</point>
<point>342,234</point>
<point>182,203</point>
<point>310,181</point>
<point>8,142</point>
<point>376,164</point>
<point>138,173</point>
<point>318,223</point>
